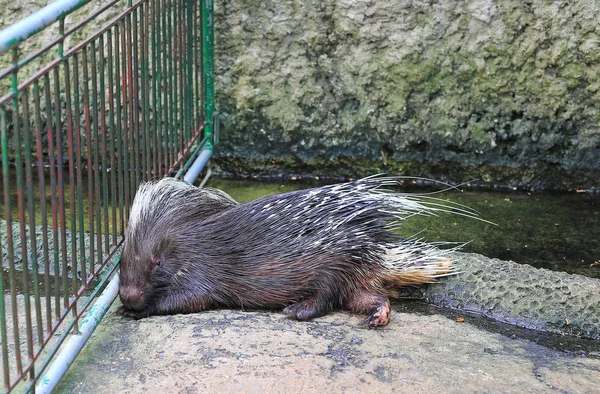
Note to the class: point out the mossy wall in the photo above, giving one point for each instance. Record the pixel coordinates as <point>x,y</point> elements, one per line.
<point>504,91</point>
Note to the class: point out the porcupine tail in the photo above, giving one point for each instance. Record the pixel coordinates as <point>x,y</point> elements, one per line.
<point>412,261</point>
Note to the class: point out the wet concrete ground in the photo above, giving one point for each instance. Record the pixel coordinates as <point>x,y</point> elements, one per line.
<point>257,352</point>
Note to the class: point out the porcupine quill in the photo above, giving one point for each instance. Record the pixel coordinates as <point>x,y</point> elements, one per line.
<point>309,251</point>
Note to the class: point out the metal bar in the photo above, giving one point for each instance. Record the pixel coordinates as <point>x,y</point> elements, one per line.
<point>197,167</point>
<point>77,48</point>
<point>27,296</point>
<point>113,164</point>
<point>207,91</point>
<point>170,87</point>
<point>165,102</point>
<point>189,61</point>
<point>42,188</point>
<point>186,53</point>
<point>208,58</point>
<point>103,134</point>
<point>153,71</point>
<point>131,128</point>
<point>91,17</point>
<point>14,35</point>
<point>78,147</point>
<point>55,242</point>
<point>96,202</point>
<point>61,190</point>
<point>119,125</point>
<point>3,328</point>
<point>155,104</point>
<point>179,70</point>
<point>145,140</point>
<point>9,234</point>
<point>185,150</point>
<point>192,157</point>
<point>69,326</point>
<point>31,206</point>
<point>138,166</point>
<point>88,151</point>
<point>197,68</point>
<point>176,72</point>
<point>148,84</point>
<point>109,269</point>
<point>70,151</point>
<point>141,91</point>
<point>21,214</point>
<point>66,357</point>
<point>125,89</point>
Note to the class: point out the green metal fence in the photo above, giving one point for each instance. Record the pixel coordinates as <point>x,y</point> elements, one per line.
<point>83,120</point>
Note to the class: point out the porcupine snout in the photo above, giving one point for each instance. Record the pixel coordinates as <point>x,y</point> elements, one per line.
<point>132,297</point>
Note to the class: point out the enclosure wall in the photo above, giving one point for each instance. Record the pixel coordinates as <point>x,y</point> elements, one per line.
<point>501,91</point>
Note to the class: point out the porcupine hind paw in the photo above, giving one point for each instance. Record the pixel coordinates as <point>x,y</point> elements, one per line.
<point>377,307</point>
<point>304,310</point>
<point>381,316</point>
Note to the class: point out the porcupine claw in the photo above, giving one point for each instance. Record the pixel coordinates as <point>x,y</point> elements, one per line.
<point>304,310</point>
<point>376,306</point>
<point>131,313</point>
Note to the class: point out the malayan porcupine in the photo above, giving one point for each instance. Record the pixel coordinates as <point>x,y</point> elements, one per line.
<point>309,251</point>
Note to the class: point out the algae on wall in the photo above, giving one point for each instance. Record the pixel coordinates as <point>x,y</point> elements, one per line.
<point>507,91</point>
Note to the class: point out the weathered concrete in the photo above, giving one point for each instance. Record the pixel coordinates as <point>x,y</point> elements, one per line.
<point>257,352</point>
<point>501,91</point>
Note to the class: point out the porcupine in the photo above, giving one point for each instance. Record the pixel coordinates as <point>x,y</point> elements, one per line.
<point>307,252</point>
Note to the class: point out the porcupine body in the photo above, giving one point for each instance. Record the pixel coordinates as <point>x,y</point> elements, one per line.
<point>309,251</point>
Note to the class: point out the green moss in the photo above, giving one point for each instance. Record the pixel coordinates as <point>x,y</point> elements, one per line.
<point>445,126</point>
<point>284,113</point>
<point>458,90</point>
<point>539,177</point>
<point>478,132</point>
<point>572,73</point>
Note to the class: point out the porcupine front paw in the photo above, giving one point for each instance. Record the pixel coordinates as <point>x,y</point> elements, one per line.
<point>303,310</point>
<point>133,313</point>
<point>381,316</point>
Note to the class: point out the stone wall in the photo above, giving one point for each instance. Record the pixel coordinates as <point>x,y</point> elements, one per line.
<point>504,91</point>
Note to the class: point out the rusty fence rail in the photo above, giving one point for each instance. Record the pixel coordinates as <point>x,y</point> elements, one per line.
<point>84,118</point>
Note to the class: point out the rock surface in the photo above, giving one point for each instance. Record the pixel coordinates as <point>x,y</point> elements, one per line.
<point>258,352</point>
<point>518,294</point>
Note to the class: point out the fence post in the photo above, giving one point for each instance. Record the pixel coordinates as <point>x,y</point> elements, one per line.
<point>208,89</point>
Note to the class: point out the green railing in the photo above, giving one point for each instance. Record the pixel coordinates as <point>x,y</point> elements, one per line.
<point>114,99</point>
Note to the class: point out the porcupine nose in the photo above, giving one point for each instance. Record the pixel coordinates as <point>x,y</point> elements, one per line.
<point>131,297</point>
